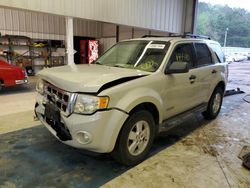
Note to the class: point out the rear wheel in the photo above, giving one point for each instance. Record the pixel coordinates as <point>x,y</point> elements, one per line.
<point>135,139</point>
<point>214,104</point>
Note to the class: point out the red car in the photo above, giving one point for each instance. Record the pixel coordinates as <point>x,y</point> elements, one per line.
<point>11,75</point>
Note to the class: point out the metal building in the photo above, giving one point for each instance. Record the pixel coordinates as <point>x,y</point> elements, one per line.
<point>109,21</point>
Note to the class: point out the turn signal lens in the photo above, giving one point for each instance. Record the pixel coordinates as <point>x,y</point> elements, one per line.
<point>103,102</point>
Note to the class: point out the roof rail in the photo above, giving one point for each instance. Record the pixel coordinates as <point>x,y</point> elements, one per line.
<point>146,36</point>
<point>175,35</point>
<point>185,35</point>
<point>196,36</point>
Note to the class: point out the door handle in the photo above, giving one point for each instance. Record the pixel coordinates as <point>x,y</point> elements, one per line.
<point>214,71</point>
<point>192,77</point>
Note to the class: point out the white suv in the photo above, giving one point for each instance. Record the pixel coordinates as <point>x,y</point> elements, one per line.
<point>122,101</point>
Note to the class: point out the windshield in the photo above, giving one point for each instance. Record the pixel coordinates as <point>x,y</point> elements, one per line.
<point>141,55</point>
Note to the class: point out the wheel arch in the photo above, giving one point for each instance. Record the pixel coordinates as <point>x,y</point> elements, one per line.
<point>222,85</point>
<point>209,113</point>
<point>150,107</point>
<point>120,152</point>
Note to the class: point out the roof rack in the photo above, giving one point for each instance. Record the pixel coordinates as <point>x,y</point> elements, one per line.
<point>190,35</point>
<point>146,36</point>
<point>196,36</point>
<point>185,35</point>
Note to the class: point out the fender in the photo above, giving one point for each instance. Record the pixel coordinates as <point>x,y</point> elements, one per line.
<point>137,96</point>
<point>221,78</point>
<point>129,101</point>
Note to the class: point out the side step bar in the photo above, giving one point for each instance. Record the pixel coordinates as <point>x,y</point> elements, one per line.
<point>233,92</point>
<point>176,120</point>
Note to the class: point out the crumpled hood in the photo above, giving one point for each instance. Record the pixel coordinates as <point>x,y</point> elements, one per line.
<point>87,78</point>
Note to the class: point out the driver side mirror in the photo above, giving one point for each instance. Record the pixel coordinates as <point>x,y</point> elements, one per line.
<point>177,67</point>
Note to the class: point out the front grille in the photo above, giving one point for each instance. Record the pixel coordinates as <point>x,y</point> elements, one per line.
<point>62,99</point>
<point>62,131</point>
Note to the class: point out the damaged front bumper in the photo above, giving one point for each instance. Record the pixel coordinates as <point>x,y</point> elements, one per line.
<point>97,132</point>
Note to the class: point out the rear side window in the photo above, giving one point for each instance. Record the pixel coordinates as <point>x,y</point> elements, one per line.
<point>203,54</point>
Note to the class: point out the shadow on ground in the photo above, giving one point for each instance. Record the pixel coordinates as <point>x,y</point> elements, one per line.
<point>18,89</point>
<point>33,157</point>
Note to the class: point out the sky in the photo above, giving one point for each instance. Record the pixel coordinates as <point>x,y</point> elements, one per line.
<point>231,3</point>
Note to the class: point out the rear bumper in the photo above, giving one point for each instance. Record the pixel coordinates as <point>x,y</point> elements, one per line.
<point>102,128</point>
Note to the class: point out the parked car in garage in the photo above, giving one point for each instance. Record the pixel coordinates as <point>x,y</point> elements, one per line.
<point>134,91</point>
<point>11,75</point>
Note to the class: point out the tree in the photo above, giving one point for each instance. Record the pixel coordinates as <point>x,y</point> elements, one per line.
<point>213,21</point>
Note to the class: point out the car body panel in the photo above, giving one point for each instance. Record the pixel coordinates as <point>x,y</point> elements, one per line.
<point>11,75</point>
<point>103,138</point>
<point>86,78</point>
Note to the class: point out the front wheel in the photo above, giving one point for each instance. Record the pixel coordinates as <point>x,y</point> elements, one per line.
<point>214,104</point>
<point>135,139</point>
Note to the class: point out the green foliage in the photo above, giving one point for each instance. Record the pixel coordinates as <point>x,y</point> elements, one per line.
<point>213,21</point>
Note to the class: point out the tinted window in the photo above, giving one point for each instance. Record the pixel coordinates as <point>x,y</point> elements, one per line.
<point>183,53</point>
<point>203,54</point>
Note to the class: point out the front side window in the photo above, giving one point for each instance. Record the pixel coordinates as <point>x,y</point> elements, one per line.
<point>203,54</point>
<point>183,53</point>
<point>141,55</point>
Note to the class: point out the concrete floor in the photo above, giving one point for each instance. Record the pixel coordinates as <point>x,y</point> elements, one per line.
<point>197,153</point>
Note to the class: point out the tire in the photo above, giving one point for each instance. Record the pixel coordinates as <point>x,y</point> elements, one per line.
<point>214,104</point>
<point>137,134</point>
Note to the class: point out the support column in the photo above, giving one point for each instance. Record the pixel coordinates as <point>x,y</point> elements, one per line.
<point>69,41</point>
<point>190,16</point>
<point>117,33</point>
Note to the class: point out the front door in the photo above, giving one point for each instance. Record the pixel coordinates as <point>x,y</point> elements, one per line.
<point>181,89</point>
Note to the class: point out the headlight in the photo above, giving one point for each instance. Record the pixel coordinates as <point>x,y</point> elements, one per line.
<point>87,104</point>
<point>40,86</point>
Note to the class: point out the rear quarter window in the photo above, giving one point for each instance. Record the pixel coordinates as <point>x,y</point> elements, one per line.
<point>218,51</point>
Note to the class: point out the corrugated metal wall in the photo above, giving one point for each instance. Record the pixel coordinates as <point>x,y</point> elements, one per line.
<point>106,43</point>
<point>164,15</point>
<point>87,28</point>
<point>43,26</point>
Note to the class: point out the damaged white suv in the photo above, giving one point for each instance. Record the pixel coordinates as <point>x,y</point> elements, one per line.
<point>122,101</point>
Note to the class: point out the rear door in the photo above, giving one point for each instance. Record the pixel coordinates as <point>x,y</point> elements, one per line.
<point>206,70</point>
